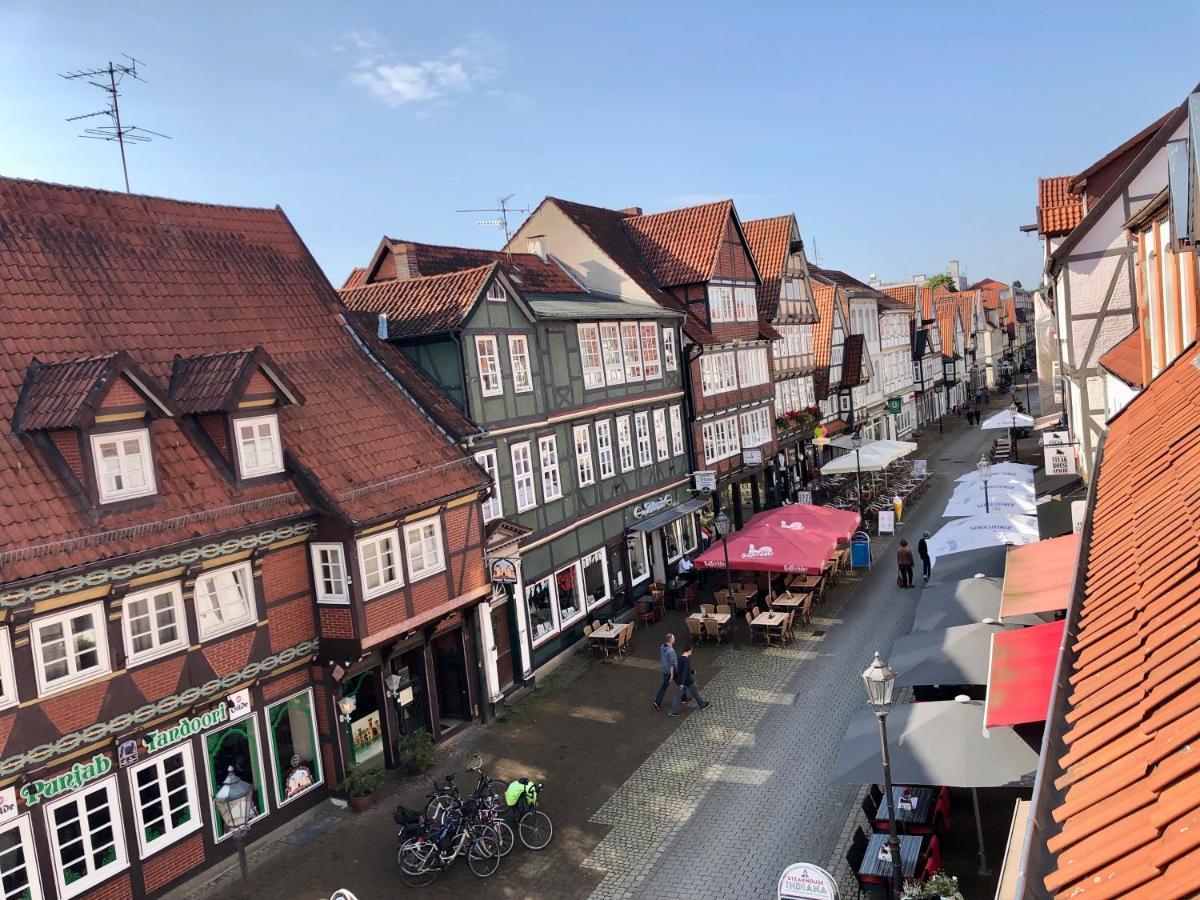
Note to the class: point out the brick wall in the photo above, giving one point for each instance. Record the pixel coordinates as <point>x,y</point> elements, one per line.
<point>387,610</point>
<point>158,679</point>
<point>121,394</point>
<point>214,427</point>
<point>67,442</point>
<point>117,889</point>
<point>72,710</point>
<point>290,623</point>
<point>163,868</point>
<point>230,654</point>
<point>285,573</point>
<point>288,684</point>
<point>336,622</point>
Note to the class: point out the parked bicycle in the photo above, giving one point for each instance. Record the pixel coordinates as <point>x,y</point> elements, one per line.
<point>434,848</point>
<point>488,796</point>
<point>533,826</point>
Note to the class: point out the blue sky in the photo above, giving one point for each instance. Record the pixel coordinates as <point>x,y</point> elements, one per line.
<point>901,134</point>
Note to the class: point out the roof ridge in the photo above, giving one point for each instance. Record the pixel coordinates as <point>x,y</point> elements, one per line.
<point>392,282</point>
<point>75,188</point>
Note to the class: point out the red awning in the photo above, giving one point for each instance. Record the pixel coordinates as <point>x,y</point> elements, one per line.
<point>1022,674</point>
<point>824,520</point>
<point>1038,576</point>
<point>769,548</point>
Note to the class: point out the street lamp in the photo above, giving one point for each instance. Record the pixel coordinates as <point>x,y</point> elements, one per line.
<point>235,804</point>
<point>985,472</point>
<point>1012,429</point>
<point>880,682</point>
<point>346,707</point>
<point>722,523</point>
<point>856,443</point>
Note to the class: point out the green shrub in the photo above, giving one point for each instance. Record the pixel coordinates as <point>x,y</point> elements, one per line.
<point>362,781</point>
<point>416,750</point>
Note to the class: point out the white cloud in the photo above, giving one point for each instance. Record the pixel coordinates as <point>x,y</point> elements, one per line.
<point>399,82</point>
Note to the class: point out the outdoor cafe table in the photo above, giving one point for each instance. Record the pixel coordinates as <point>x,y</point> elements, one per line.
<point>804,582</point>
<point>611,632</point>
<point>921,814</point>
<point>770,619</point>
<point>719,618</point>
<point>910,851</point>
<point>787,601</point>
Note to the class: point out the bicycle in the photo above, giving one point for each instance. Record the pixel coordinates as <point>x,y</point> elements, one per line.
<point>424,857</point>
<point>533,826</point>
<point>488,796</point>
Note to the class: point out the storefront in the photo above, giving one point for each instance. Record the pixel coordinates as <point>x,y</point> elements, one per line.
<point>668,535</point>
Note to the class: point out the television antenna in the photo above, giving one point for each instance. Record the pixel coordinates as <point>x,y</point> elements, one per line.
<point>108,78</point>
<point>504,209</point>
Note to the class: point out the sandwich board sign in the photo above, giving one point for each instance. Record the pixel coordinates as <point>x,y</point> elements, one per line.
<point>887,521</point>
<point>801,881</point>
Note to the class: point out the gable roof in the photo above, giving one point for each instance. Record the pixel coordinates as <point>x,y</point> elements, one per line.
<point>1134,143</point>
<point>1124,360</point>
<point>680,246</point>
<point>770,242</point>
<point>1058,208</point>
<point>214,381</point>
<point>826,298</point>
<point>529,272</point>
<point>432,304</point>
<point>193,279</point>
<point>356,278</point>
<point>852,361</point>
<point>947,314</point>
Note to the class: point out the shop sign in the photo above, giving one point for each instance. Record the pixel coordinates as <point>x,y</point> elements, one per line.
<point>186,728</point>
<point>8,804</point>
<point>127,753</point>
<point>1078,514</point>
<point>705,481</point>
<point>650,507</point>
<point>920,467</point>
<point>764,552</point>
<point>504,571</point>
<point>887,521</point>
<point>238,704</point>
<point>752,457</point>
<point>801,881</point>
<point>1059,461</point>
<point>76,777</point>
<point>893,406</point>
<point>1056,438</point>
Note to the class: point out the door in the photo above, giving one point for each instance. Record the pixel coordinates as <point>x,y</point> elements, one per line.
<point>503,641</point>
<point>450,670</point>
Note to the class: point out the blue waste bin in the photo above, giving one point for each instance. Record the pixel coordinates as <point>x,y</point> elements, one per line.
<point>860,550</point>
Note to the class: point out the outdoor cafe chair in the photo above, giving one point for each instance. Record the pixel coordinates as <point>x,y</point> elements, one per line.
<point>694,629</point>
<point>757,632</point>
<point>776,632</point>
<point>787,626</point>
<point>708,608</point>
<point>725,608</point>
<point>645,614</point>
<point>689,597</point>
<point>713,629</point>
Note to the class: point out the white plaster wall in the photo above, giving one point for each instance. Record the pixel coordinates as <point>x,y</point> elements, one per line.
<point>1117,394</point>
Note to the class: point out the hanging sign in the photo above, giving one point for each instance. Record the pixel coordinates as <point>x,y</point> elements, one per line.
<point>504,571</point>
<point>752,457</point>
<point>802,881</point>
<point>887,521</point>
<point>127,753</point>
<point>1059,460</point>
<point>185,728</point>
<point>1056,438</point>
<point>705,481</point>
<point>73,779</point>
<point>238,704</point>
<point>893,406</point>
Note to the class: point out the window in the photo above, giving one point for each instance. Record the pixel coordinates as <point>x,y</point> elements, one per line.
<point>496,292</point>
<point>720,302</point>
<point>551,481</point>
<point>293,746</point>
<point>379,562</point>
<point>624,444</point>
<point>329,573</point>
<point>688,527</point>
<point>86,837</point>
<point>661,447</point>
<point>631,344</point>
<point>637,558</point>
<point>756,427</point>
<point>541,612</point>
<point>570,595</point>
<point>123,465</point>
<point>595,578</point>
<point>235,747</point>
<point>489,365</point>
<point>671,538</point>
<point>676,431</point>
<point>642,424</point>
<point>718,373</point>
<point>423,543</point>
<point>518,356</point>
<point>721,439</point>
<point>589,352</point>
<point>258,446</point>
<point>583,455</point>
<point>164,798</point>
<point>493,506</point>
<point>670,353</point>
<point>153,623</point>
<point>752,367</point>
<point>610,348</point>
<point>18,865</point>
<point>69,647</point>
<point>746,304</point>
<point>523,476</point>
<point>604,448</point>
<point>650,357</point>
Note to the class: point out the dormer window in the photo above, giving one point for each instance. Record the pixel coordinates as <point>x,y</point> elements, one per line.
<point>496,292</point>
<point>258,446</point>
<point>124,467</point>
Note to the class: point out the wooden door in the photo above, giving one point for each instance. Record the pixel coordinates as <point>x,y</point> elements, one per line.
<point>503,639</point>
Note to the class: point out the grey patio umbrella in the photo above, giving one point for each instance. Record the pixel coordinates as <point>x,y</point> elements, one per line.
<point>964,602</point>
<point>957,655</point>
<point>956,566</point>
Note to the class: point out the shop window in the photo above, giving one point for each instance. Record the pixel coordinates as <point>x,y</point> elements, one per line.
<point>364,731</point>
<point>153,623</point>
<point>616,569</point>
<point>69,647</point>
<point>235,747</point>
<point>638,565</point>
<point>329,573</point>
<point>595,580</point>
<point>539,601</point>
<point>570,595</point>
<point>86,838</point>
<point>672,540</point>
<point>164,798</point>
<point>687,526</point>
<point>295,755</point>
<point>224,600</point>
<point>18,865</point>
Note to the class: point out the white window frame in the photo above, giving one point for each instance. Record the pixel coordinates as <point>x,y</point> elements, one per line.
<point>264,466</point>
<point>676,430</point>
<point>549,465</point>
<point>247,582</point>
<point>420,527</point>
<point>718,373</point>
<point>256,765</point>
<point>8,683</point>
<point>523,478</point>
<point>631,347</point>
<point>756,427</point>
<point>641,422</point>
<point>74,675</point>
<point>585,468</point>
<point>496,292</point>
<point>537,640</point>
<point>582,597</point>
<point>391,537</point>
<point>670,351</point>
<point>611,354</point>
<point>174,590</point>
<point>604,449</point>
<point>641,536</point>
<point>625,443</point>
<point>172,834</point>
<point>315,553</point>
<point>651,357</point>
<point>662,449</point>
<point>518,359</point>
<point>720,303</point>
<point>487,360</point>
<point>745,303</point>
<point>273,752</point>
<point>721,439</point>
<point>116,823</point>
<point>22,825</point>
<point>590,355</point>
<point>112,495</point>
<point>493,506</point>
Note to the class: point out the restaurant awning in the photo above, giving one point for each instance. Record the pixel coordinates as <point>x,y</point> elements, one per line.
<point>935,743</point>
<point>840,523</point>
<point>1021,674</point>
<point>957,655</point>
<point>1038,576</point>
<point>666,516</point>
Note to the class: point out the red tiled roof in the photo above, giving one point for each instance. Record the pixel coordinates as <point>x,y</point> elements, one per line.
<point>427,305</point>
<point>852,361</point>
<point>905,293</point>
<point>529,272</point>
<point>1059,210</point>
<point>83,272</point>
<point>770,241</point>
<point>213,382</point>
<point>1124,748</point>
<point>60,395</point>
<point>680,245</point>
<point>947,312</point>
<point>356,278</point>
<point>1125,360</point>
<point>825,296</point>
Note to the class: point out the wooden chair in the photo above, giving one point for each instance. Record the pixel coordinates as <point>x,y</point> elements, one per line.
<point>725,609</point>
<point>712,628</point>
<point>593,645</point>
<point>625,642</point>
<point>645,615</point>
<point>741,602</point>
<point>787,626</point>
<point>694,629</point>
<point>708,608</point>
<point>775,632</point>
<point>806,609</point>
<point>757,632</point>
<point>689,597</point>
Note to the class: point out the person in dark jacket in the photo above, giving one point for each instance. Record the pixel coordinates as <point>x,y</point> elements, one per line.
<point>685,677</point>
<point>668,662</point>
<point>904,559</point>
<point>923,552</point>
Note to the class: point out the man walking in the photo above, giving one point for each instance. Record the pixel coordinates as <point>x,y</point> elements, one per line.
<point>904,559</point>
<point>685,677</point>
<point>923,552</point>
<point>668,661</point>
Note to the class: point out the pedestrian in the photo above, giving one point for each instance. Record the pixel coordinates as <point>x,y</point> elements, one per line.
<point>923,552</point>
<point>685,677</point>
<point>904,558</point>
<point>687,568</point>
<point>668,662</point>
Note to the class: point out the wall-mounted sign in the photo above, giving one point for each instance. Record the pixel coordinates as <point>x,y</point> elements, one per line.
<point>705,481</point>
<point>893,405</point>
<point>650,507</point>
<point>73,779</point>
<point>504,571</point>
<point>8,804</point>
<point>804,882</point>
<point>127,753</point>
<point>1060,460</point>
<point>238,704</point>
<point>185,728</point>
<point>752,457</point>
<point>1078,514</point>
<point>366,737</point>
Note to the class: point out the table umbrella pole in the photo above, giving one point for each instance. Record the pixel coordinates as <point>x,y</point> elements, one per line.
<point>983,866</point>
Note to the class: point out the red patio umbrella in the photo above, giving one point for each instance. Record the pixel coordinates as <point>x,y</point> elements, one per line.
<point>769,548</point>
<point>840,523</point>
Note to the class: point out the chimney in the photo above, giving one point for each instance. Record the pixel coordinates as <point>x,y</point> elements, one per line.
<point>381,327</point>
<point>631,211</point>
<point>873,280</point>
<point>406,265</point>
<point>536,244</point>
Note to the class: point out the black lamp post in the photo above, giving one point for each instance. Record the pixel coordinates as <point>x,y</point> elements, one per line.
<point>880,682</point>
<point>1012,429</point>
<point>856,442</point>
<point>985,472</point>
<point>235,804</point>
<point>721,523</point>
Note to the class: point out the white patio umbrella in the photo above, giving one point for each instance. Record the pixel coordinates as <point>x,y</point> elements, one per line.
<point>1006,419</point>
<point>1009,483</point>
<point>873,456</point>
<point>976,532</point>
<point>1011,497</point>
<point>1015,471</point>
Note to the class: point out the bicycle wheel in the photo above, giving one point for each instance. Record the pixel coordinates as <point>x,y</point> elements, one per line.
<point>418,864</point>
<point>497,789</point>
<point>436,808</point>
<point>535,829</point>
<point>483,852</point>
<point>504,834</point>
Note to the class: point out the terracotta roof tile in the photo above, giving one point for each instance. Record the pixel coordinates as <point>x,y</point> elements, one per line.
<point>680,245</point>
<point>1059,210</point>
<point>1125,359</point>
<point>529,272</point>
<point>55,395</point>
<point>427,305</point>
<point>770,242</point>
<point>356,278</point>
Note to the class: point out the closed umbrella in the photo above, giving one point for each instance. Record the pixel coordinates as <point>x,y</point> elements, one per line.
<point>975,532</point>
<point>957,655</point>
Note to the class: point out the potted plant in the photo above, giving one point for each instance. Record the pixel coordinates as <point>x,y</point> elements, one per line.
<point>942,885</point>
<point>360,785</point>
<point>415,751</point>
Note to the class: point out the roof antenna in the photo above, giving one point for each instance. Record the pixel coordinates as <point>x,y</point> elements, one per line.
<point>504,209</point>
<point>108,78</point>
